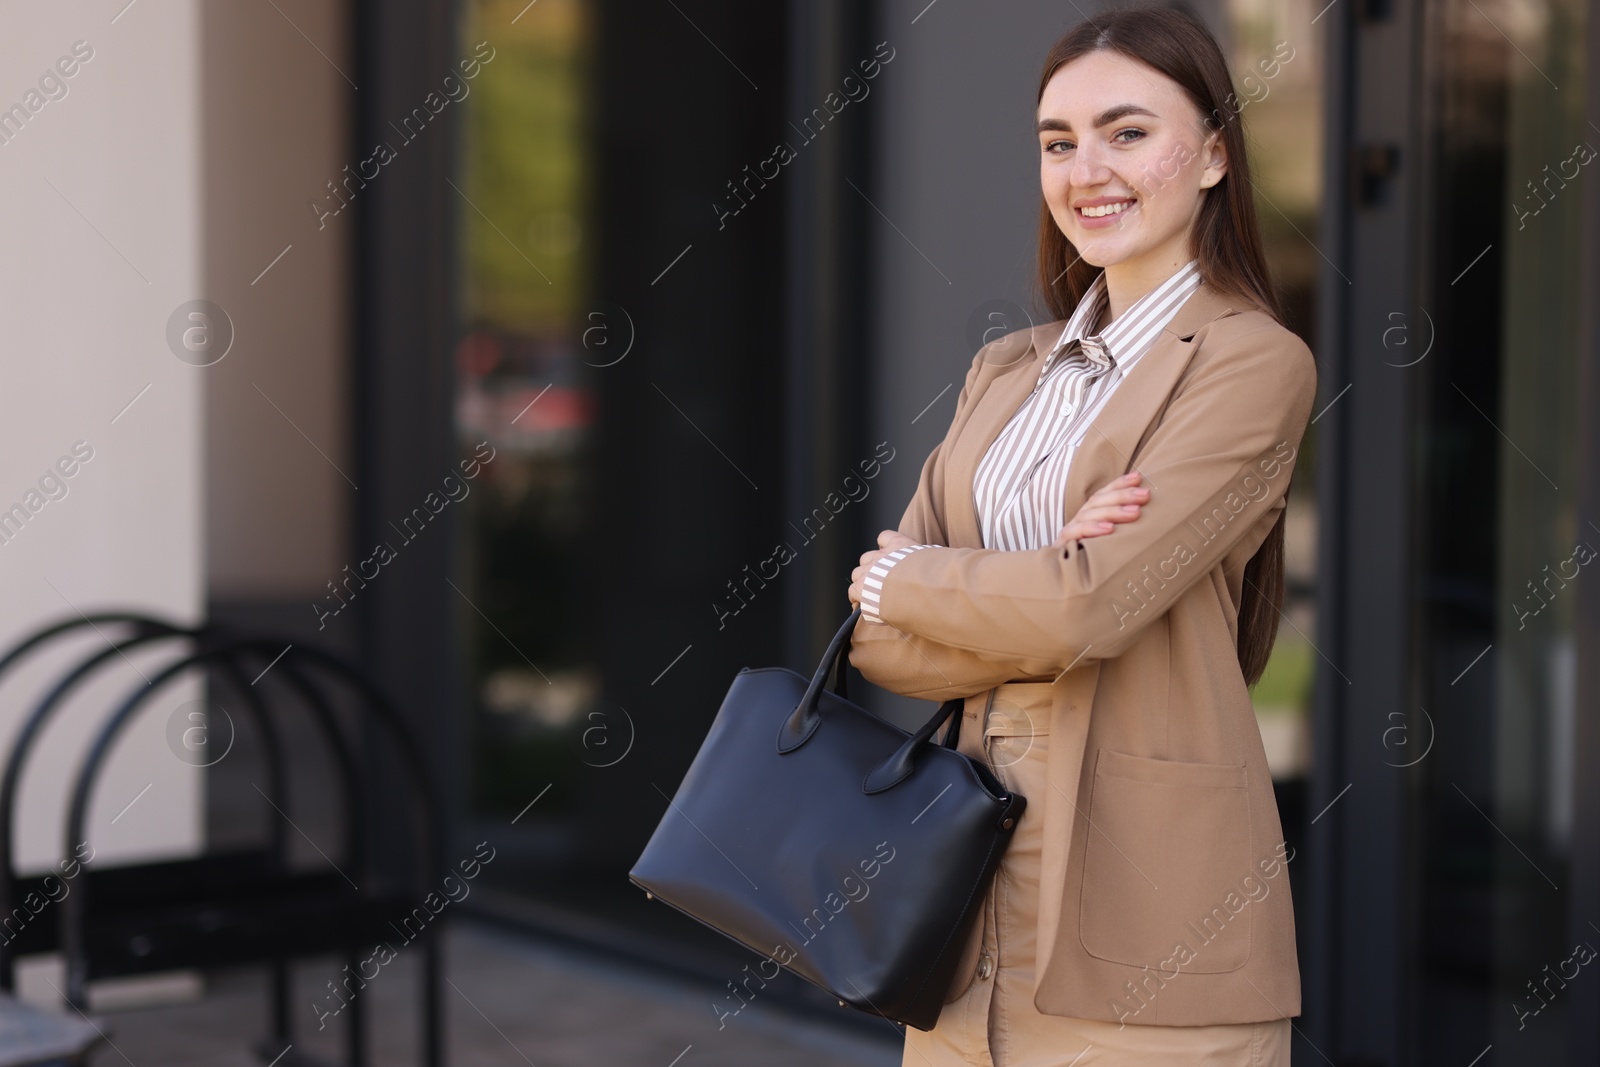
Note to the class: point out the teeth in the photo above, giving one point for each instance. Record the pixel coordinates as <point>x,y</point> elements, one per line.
<point>1105,209</point>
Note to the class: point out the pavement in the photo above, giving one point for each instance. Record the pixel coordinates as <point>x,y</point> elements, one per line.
<point>510,998</point>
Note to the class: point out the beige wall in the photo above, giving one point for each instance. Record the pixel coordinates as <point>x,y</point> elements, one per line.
<point>100,207</point>
<point>174,164</point>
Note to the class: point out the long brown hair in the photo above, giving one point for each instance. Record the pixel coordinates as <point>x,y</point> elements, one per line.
<point>1226,238</point>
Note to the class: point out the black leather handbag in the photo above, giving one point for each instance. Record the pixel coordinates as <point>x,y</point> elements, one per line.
<point>832,842</point>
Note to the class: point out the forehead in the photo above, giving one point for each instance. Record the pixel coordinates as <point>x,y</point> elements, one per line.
<point>1093,82</point>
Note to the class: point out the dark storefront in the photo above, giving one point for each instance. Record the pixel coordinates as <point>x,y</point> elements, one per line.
<point>693,267</point>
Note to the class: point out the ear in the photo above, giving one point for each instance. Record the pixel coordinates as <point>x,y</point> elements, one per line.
<point>1215,154</point>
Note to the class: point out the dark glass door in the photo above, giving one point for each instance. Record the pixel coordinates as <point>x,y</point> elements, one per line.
<point>1499,542</point>
<point>620,358</point>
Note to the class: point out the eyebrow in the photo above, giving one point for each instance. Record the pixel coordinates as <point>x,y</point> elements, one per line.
<point>1105,118</point>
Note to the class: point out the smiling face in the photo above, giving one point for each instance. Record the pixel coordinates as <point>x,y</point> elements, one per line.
<point>1124,162</point>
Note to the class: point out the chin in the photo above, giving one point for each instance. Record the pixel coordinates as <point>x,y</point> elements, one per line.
<point>1103,254</point>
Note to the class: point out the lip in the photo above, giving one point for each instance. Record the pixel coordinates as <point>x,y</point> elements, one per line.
<point>1105,220</point>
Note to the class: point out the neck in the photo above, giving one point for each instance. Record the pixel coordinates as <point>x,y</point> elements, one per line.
<point>1128,281</point>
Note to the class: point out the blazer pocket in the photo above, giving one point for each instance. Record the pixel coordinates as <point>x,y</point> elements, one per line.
<point>1168,845</point>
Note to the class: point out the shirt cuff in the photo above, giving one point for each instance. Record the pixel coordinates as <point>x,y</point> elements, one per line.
<point>872,585</point>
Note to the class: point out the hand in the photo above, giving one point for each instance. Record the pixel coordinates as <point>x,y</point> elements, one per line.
<point>1119,500</point>
<point>888,541</point>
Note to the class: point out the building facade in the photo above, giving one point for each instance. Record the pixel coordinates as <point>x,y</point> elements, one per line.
<point>603,337</point>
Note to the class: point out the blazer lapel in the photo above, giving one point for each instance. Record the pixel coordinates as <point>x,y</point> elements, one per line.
<point>1108,446</point>
<point>1014,380</point>
<point>1110,440</point>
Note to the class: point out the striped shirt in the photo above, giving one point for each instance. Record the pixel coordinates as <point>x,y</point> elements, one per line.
<point>1020,485</point>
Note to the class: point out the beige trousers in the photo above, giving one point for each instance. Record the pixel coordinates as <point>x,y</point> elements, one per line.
<point>994,1023</point>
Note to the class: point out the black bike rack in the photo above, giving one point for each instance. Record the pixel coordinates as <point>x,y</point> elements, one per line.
<point>237,907</point>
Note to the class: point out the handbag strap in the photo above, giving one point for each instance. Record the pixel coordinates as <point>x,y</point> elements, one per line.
<point>902,761</point>
<point>804,720</point>
<point>953,735</point>
<point>841,669</point>
<point>800,724</point>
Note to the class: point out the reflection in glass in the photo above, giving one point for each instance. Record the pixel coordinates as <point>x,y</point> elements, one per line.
<point>524,367</point>
<point>1500,542</point>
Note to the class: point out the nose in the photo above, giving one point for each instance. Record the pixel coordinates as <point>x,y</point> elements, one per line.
<point>1089,166</point>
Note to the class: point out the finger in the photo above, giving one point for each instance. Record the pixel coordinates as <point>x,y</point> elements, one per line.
<point>1110,513</point>
<point>1097,521</point>
<point>1100,519</point>
<point>1103,509</point>
<point>1131,478</point>
<point>1122,495</point>
<point>1080,529</point>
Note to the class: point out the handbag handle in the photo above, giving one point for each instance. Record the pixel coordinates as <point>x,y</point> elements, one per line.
<point>804,720</point>
<point>798,727</point>
<point>892,771</point>
<point>841,669</point>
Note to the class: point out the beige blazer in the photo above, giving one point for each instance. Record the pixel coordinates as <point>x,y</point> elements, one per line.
<point>1171,905</point>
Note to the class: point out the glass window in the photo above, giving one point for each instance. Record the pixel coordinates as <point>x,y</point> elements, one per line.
<point>621,352</point>
<point>525,405</point>
<point>1499,540</point>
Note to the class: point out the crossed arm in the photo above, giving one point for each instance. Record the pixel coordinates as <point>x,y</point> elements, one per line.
<point>957,621</point>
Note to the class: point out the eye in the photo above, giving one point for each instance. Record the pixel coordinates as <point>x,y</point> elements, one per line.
<point>1122,136</point>
<point>1058,146</point>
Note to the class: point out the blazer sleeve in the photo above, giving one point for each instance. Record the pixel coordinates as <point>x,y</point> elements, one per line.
<point>914,665</point>
<point>1218,461</point>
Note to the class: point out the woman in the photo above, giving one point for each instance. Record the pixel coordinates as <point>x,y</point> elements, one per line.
<point>1141,913</point>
